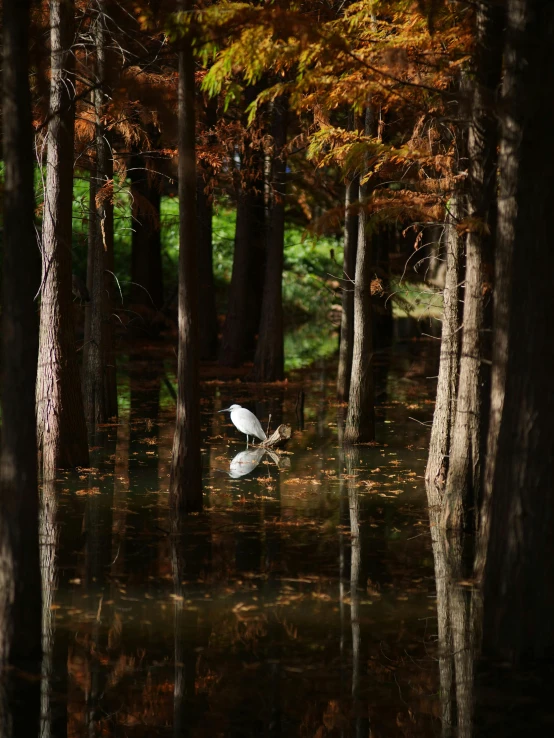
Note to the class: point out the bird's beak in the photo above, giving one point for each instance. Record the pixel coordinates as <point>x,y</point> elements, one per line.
<point>227,410</point>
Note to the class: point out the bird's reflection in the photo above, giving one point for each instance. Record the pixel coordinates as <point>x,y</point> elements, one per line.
<point>245,462</point>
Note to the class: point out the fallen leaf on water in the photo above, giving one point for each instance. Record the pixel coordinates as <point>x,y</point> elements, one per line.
<point>90,491</point>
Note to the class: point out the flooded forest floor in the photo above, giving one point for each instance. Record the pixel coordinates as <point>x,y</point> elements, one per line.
<point>300,603</point>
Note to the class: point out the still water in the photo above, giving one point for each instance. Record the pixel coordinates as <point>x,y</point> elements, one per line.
<point>300,603</point>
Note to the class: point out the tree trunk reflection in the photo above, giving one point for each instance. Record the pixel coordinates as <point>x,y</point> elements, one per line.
<point>359,711</point>
<point>191,562</point>
<point>455,630</point>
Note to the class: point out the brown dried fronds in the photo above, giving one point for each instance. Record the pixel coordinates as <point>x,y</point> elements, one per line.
<point>105,194</point>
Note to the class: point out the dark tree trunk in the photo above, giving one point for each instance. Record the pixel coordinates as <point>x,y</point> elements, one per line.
<point>207,309</point>
<point>99,379</point>
<point>257,267</point>
<point>518,596</point>
<point>269,362</point>
<point>445,406</point>
<point>464,484</point>
<point>349,269</point>
<point>243,306</point>
<point>185,487</point>
<point>20,593</point>
<point>207,306</point>
<point>381,302</point>
<point>61,427</point>
<point>360,420</point>
<point>247,281</point>
<point>146,245</point>
<point>91,253</point>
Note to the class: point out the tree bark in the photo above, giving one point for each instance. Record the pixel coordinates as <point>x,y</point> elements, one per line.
<point>146,245</point>
<point>349,268</point>
<point>61,427</point>
<point>445,406</point>
<point>518,591</point>
<point>185,487</point>
<point>20,592</point>
<point>360,420</point>
<point>99,380</point>
<point>464,484</point>
<point>269,362</point>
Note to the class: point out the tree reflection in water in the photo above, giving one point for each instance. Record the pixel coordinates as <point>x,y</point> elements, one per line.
<point>456,621</point>
<point>361,720</point>
<point>191,564</point>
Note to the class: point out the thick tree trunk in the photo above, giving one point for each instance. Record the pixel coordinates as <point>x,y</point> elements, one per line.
<point>360,420</point>
<point>99,379</point>
<point>20,593</point>
<point>518,596</point>
<point>445,406</point>
<point>61,427</point>
<point>464,484</point>
<point>349,269</point>
<point>146,245</point>
<point>269,362</point>
<point>185,487</point>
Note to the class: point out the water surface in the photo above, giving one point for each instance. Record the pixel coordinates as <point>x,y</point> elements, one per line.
<point>300,603</point>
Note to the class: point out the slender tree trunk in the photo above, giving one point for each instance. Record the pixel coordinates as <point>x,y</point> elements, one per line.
<point>99,380</point>
<point>269,362</point>
<point>207,308</point>
<point>360,420</point>
<point>259,225</point>
<point>381,302</point>
<point>445,406</point>
<point>243,305</point>
<point>20,593</point>
<point>245,295</point>
<point>61,427</point>
<point>464,483</point>
<point>518,595</point>
<point>185,487</point>
<point>91,244</point>
<point>349,269</point>
<point>204,208</point>
<point>146,245</point>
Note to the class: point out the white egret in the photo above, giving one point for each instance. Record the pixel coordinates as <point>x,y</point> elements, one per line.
<point>246,422</point>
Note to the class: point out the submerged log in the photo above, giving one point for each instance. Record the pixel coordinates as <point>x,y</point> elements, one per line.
<point>279,437</point>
